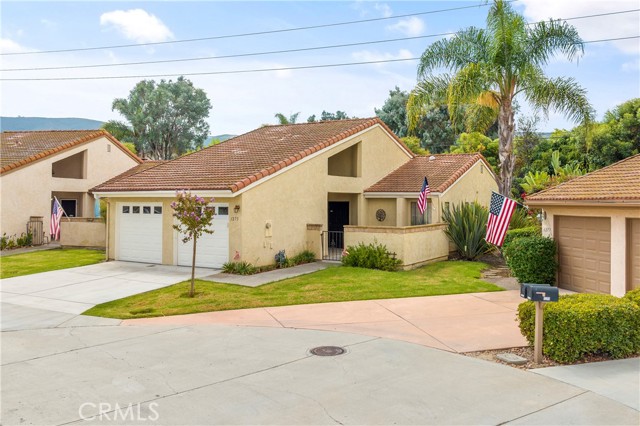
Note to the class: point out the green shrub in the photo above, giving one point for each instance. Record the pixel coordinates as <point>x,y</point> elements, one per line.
<point>467,228</point>
<point>634,296</point>
<point>584,324</point>
<point>513,234</point>
<point>370,256</point>
<point>24,240</point>
<point>239,268</point>
<point>306,256</point>
<point>532,259</point>
<point>521,219</point>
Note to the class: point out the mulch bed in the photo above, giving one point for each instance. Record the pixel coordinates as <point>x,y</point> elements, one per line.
<point>527,352</point>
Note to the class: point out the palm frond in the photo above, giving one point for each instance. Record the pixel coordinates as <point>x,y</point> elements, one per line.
<point>545,38</point>
<point>431,90</point>
<point>560,94</point>
<point>468,45</point>
<point>479,118</point>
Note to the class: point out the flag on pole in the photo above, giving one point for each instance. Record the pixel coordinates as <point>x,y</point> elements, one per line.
<point>422,198</point>
<point>500,212</point>
<point>56,215</point>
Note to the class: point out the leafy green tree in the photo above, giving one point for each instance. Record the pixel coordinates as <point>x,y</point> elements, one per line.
<point>413,143</point>
<point>469,143</point>
<point>194,216</point>
<point>329,116</point>
<point>491,67</point>
<point>166,119</point>
<point>283,119</point>
<point>394,112</point>
<point>119,130</point>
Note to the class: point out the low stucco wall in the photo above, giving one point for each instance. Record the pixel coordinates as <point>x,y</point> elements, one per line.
<point>83,232</point>
<point>414,245</point>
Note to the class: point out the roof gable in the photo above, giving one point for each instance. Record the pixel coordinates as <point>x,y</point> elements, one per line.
<point>441,171</point>
<point>616,182</point>
<point>238,162</point>
<point>19,149</point>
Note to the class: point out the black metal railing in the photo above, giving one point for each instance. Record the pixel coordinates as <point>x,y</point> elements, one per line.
<point>332,245</point>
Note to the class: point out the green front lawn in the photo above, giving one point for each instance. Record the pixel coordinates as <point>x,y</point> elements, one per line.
<point>47,260</point>
<point>337,284</point>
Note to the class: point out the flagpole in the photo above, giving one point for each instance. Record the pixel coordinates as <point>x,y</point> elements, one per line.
<point>60,204</point>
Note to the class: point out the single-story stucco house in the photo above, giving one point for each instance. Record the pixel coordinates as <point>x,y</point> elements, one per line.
<point>40,165</point>
<point>312,186</point>
<point>595,220</point>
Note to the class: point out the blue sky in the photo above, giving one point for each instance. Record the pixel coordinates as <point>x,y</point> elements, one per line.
<point>243,101</point>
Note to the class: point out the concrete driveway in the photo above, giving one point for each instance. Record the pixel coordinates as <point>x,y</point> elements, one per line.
<point>51,298</point>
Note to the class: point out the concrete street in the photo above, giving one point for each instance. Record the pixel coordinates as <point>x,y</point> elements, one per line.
<point>62,368</point>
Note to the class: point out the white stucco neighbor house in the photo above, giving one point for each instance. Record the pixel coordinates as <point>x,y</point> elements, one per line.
<point>38,165</point>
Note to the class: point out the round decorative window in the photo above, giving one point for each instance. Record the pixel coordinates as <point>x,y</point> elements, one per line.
<point>381,215</point>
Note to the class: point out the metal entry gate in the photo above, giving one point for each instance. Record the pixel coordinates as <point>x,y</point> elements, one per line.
<point>332,245</point>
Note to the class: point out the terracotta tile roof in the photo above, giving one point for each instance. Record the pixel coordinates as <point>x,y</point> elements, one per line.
<point>18,149</point>
<point>617,182</point>
<point>145,165</point>
<point>240,161</point>
<point>441,170</point>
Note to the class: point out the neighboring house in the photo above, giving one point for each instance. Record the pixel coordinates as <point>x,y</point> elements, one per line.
<point>36,166</point>
<point>292,187</point>
<point>595,219</point>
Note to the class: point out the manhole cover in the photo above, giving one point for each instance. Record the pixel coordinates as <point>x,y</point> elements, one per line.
<point>328,351</point>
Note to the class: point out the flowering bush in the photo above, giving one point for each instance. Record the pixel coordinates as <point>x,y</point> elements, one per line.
<point>194,217</point>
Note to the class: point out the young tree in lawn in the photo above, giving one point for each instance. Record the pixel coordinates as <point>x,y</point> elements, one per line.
<point>194,217</point>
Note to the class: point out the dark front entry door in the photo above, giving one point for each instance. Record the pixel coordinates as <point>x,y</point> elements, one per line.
<point>338,215</point>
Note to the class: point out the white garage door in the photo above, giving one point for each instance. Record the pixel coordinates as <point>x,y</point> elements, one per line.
<point>139,237</point>
<point>212,250</point>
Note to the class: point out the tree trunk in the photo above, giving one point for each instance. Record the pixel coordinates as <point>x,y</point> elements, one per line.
<point>192,290</point>
<point>506,128</point>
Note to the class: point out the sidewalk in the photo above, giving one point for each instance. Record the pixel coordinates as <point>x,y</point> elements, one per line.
<point>455,323</point>
<point>50,246</point>
<point>267,277</point>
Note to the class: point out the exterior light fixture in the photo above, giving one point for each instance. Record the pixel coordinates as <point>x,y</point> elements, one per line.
<point>236,209</point>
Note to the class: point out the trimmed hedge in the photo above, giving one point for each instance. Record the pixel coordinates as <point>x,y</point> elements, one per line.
<point>514,234</point>
<point>634,296</point>
<point>371,256</point>
<point>584,324</point>
<point>532,259</point>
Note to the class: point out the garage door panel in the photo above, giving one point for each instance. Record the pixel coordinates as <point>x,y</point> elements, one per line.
<point>584,247</point>
<point>633,254</point>
<point>212,250</point>
<point>139,237</point>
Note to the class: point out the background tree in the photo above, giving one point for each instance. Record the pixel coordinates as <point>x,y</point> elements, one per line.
<point>394,112</point>
<point>469,143</point>
<point>166,119</point>
<point>194,217</point>
<point>491,67</point>
<point>122,132</point>
<point>329,116</point>
<point>283,119</point>
<point>413,143</point>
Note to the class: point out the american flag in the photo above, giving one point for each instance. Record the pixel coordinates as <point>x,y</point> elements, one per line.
<point>500,212</point>
<point>424,193</point>
<point>56,215</point>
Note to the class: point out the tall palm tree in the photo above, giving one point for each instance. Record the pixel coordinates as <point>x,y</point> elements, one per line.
<point>490,67</point>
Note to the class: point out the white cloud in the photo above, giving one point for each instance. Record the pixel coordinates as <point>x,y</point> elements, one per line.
<point>137,25</point>
<point>596,28</point>
<point>10,46</point>
<point>411,27</point>
<point>383,8</point>
<point>631,66</point>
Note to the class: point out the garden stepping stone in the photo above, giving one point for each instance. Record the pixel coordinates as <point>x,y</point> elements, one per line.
<point>512,358</point>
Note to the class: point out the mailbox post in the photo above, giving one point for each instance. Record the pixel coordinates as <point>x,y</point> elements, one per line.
<point>540,294</point>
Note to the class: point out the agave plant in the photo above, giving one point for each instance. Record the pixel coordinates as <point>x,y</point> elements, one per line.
<point>467,228</point>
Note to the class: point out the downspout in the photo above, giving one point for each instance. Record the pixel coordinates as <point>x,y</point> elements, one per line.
<point>106,253</point>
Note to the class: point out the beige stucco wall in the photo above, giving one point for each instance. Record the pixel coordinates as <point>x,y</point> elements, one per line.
<point>475,185</point>
<point>618,214</point>
<point>27,191</point>
<point>299,196</point>
<point>83,232</point>
<point>414,245</point>
<point>386,204</point>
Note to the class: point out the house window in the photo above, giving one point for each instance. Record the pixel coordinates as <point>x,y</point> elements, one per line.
<point>223,211</point>
<point>70,207</point>
<point>125,209</point>
<point>136,209</point>
<point>418,218</point>
<point>157,210</point>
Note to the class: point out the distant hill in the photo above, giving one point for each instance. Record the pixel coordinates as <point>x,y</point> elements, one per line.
<point>44,123</point>
<point>222,138</point>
